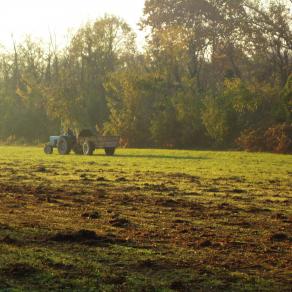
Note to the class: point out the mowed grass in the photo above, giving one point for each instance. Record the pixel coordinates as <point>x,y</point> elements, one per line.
<point>145,220</point>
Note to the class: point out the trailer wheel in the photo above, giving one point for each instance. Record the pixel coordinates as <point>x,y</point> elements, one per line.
<point>77,149</point>
<point>64,145</point>
<point>110,151</point>
<point>48,149</point>
<point>88,148</point>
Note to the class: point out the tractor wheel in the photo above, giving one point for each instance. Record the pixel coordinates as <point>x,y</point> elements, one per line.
<point>77,149</point>
<point>64,145</point>
<point>109,151</point>
<point>88,148</point>
<point>48,149</point>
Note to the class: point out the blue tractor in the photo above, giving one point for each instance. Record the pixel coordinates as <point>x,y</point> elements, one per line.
<point>82,144</point>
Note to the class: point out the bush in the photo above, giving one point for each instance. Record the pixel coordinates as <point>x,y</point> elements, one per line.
<point>252,140</point>
<point>276,139</point>
<point>279,138</point>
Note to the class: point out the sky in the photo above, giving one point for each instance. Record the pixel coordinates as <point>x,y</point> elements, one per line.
<point>40,18</point>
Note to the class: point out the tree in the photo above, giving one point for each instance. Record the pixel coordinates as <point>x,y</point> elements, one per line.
<point>96,51</point>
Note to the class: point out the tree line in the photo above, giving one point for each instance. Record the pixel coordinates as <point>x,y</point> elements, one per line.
<point>214,73</point>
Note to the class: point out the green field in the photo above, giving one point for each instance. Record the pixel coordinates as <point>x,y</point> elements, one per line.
<point>145,220</point>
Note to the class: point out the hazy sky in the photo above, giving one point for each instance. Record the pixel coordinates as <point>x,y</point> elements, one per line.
<point>40,17</point>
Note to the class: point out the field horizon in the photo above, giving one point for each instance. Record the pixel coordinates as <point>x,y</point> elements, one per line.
<point>145,220</point>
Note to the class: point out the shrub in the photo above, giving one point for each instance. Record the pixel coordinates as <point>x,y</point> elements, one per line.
<point>276,139</point>
<point>279,138</point>
<point>252,140</point>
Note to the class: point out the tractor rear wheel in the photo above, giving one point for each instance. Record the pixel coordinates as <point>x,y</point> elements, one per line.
<point>48,149</point>
<point>88,148</point>
<point>64,145</point>
<point>109,151</point>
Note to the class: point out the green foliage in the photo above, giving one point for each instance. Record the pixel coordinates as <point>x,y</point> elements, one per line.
<point>287,97</point>
<point>215,120</point>
<point>130,105</point>
<point>211,70</point>
<point>95,52</point>
<point>243,106</point>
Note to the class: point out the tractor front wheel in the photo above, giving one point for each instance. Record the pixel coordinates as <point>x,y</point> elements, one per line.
<point>48,149</point>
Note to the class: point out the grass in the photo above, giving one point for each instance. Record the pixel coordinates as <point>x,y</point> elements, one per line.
<point>145,220</point>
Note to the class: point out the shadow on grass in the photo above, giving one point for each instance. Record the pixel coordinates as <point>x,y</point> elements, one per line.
<point>154,156</point>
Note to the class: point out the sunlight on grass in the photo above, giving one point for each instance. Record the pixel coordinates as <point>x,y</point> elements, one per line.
<point>154,219</point>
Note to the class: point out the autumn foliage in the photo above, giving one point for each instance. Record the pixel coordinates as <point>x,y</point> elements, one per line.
<point>276,139</point>
<point>213,74</point>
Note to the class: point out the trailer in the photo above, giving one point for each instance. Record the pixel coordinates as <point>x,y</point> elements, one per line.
<point>84,143</point>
